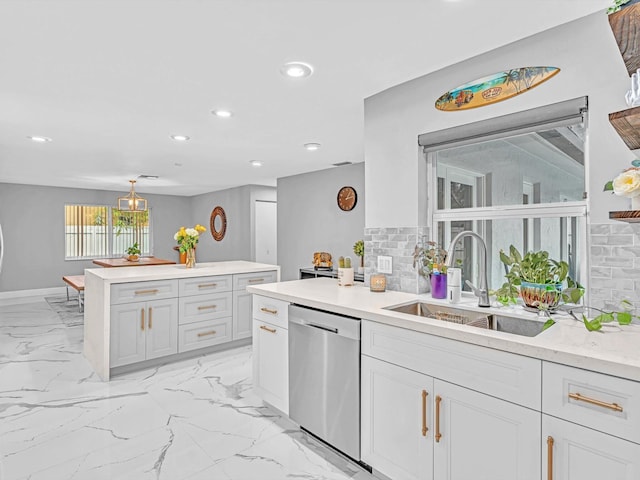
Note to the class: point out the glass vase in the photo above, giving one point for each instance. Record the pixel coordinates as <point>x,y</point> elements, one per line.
<point>191,258</point>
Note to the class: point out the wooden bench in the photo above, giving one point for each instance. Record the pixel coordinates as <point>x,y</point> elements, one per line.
<point>77,283</point>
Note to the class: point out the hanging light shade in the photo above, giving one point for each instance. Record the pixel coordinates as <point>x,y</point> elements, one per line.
<point>132,202</point>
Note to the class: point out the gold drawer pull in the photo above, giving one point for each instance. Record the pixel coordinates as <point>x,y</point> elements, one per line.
<point>145,292</point>
<point>549,458</point>
<point>267,310</point>
<point>256,280</point>
<point>142,319</point>
<point>207,285</point>
<point>438,435</point>
<point>207,307</point>
<point>270,330</point>
<point>424,413</point>
<point>150,317</point>
<point>581,398</point>
<point>204,334</point>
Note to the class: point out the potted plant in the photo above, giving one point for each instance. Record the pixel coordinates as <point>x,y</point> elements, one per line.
<point>429,259</point>
<point>133,252</point>
<point>358,249</point>
<point>537,279</point>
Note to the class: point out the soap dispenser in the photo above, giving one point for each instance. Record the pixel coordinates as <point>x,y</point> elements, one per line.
<point>454,284</point>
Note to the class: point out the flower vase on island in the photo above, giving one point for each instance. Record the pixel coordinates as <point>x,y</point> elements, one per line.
<point>187,239</point>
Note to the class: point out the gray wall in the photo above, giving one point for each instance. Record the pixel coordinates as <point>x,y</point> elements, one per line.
<point>33,229</point>
<point>238,204</point>
<point>309,219</point>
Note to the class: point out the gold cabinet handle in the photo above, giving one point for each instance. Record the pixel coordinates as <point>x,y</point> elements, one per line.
<point>438,435</point>
<point>207,285</point>
<point>270,330</point>
<point>142,319</point>
<point>424,413</point>
<point>146,292</point>
<point>206,307</point>
<point>150,317</point>
<point>581,398</point>
<point>268,310</point>
<point>549,458</point>
<point>256,280</point>
<point>204,334</point>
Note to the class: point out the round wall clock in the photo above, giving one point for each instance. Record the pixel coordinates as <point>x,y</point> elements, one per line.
<point>347,198</point>
<point>218,223</point>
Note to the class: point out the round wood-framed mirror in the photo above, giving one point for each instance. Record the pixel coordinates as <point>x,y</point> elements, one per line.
<point>218,223</point>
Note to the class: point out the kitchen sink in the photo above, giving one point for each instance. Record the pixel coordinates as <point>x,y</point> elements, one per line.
<point>501,323</point>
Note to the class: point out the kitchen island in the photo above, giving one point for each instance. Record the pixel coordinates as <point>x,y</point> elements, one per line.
<point>141,316</point>
<point>564,403</point>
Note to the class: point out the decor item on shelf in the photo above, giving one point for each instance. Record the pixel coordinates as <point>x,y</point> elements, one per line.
<point>632,97</point>
<point>345,272</point>
<point>132,202</point>
<point>133,253</point>
<point>429,259</point>
<point>537,279</point>
<point>627,184</point>
<point>358,249</point>
<point>322,261</point>
<point>494,88</point>
<point>378,283</point>
<point>619,5</point>
<point>187,239</point>
<point>218,223</point>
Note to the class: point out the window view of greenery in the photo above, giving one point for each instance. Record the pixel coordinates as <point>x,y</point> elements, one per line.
<point>100,231</point>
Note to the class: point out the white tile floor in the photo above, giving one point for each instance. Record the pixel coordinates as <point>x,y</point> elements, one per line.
<point>196,419</point>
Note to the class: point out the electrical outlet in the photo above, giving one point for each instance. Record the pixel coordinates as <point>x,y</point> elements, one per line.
<point>385,264</point>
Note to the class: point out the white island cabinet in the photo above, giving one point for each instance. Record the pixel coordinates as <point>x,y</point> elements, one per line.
<point>141,316</point>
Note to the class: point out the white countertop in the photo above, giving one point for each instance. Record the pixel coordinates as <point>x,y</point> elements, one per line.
<point>163,272</point>
<point>615,350</point>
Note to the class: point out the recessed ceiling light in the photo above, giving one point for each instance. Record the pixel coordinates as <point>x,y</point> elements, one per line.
<point>39,139</point>
<point>312,146</point>
<point>222,113</point>
<point>255,163</point>
<point>180,138</point>
<point>296,69</point>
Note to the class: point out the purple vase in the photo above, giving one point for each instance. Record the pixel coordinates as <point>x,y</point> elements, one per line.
<point>438,286</point>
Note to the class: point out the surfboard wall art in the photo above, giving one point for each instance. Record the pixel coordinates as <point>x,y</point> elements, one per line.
<point>494,88</point>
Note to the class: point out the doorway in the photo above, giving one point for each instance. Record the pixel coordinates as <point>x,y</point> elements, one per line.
<point>266,236</point>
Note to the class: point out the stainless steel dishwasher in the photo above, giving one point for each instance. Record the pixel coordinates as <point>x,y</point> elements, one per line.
<point>324,376</point>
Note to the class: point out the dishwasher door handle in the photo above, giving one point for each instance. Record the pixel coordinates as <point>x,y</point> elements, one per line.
<point>322,327</point>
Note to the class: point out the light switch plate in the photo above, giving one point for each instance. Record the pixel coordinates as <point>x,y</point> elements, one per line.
<point>385,264</point>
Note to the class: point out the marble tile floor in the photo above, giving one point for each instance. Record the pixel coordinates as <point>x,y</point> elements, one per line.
<point>196,419</point>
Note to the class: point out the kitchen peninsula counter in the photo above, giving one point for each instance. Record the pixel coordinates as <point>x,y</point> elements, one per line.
<point>612,351</point>
<point>137,316</point>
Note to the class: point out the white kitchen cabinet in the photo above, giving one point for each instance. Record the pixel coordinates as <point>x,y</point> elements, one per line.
<point>397,420</point>
<point>478,436</point>
<point>143,331</point>
<point>242,303</point>
<point>574,452</point>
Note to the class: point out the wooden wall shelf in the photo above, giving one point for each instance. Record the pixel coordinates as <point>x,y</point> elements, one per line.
<point>627,124</point>
<point>629,216</point>
<point>625,25</point>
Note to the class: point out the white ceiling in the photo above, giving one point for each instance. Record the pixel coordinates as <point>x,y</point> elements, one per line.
<point>110,80</point>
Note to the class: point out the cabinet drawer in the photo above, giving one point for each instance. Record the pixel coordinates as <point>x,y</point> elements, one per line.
<point>205,285</point>
<point>205,307</point>
<point>270,310</point>
<point>143,291</point>
<point>242,280</point>
<point>203,334</point>
<point>501,374</point>
<point>602,402</point>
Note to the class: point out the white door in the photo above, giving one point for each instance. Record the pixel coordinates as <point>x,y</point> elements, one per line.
<point>271,364</point>
<point>484,438</point>
<point>397,426</point>
<point>128,332</point>
<point>162,328</point>
<point>266,223</point>
<point>573,452</point>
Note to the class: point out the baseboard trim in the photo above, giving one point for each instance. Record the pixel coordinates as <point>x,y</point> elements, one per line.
<point>36,292</point>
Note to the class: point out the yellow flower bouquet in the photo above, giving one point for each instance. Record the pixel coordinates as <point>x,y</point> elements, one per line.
<point>187,238</point>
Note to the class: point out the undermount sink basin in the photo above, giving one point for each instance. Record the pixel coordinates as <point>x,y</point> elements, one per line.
<point>501,323</point>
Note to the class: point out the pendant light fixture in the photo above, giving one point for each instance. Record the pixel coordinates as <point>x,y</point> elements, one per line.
<point>132,202</point>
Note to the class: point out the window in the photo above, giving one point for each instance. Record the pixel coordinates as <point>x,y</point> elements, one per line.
<point>515,180</point>
<point>94,231</point>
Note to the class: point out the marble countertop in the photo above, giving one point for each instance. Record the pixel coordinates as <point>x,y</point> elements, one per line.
<point>163,272</point>
<point>615,350</point>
